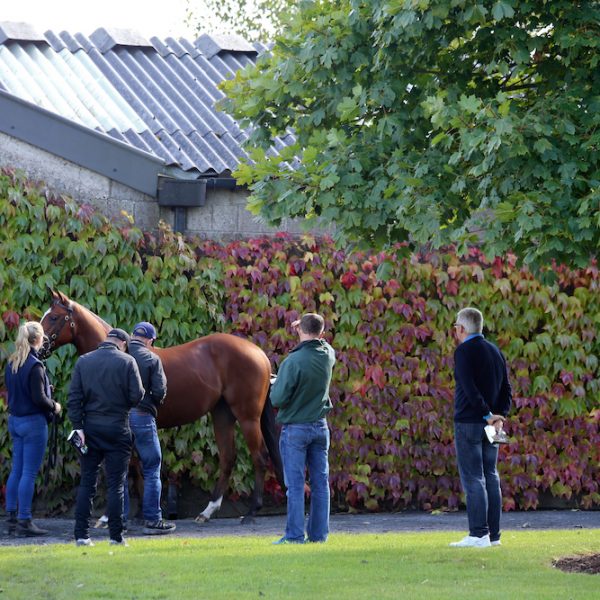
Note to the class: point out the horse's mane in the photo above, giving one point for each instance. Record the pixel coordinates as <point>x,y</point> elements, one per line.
<point>99,319</point>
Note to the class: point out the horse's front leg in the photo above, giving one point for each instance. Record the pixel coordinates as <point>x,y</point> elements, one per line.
<point>211,508</point>
<point>224,427</point>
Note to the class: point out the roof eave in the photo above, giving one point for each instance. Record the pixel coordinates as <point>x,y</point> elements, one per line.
<point>81,145</point>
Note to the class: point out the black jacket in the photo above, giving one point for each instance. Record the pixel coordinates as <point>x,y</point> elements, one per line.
<point>105,385</point>
<point>153,377</point>
<point>482,384</point>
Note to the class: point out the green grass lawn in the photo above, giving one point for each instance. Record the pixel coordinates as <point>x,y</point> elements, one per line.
<point>371,566</point>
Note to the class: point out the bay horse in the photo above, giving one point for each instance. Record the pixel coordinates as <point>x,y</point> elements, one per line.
<point>221,373</point>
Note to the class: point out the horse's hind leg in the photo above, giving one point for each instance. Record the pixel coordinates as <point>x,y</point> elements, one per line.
<point>224,427</point>
<point>271,436</point>
<point>258,452</point>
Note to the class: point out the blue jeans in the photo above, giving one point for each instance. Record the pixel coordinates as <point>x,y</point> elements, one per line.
<point>306,445</point>
<point>29,436</point>
<point>145,437</point>
<point>477,460</point>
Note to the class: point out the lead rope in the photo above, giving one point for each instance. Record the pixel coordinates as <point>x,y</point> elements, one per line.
<point>54,426</point>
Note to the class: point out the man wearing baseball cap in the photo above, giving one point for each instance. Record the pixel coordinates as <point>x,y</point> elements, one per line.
<point>105,385</point>
<point>142,420</point>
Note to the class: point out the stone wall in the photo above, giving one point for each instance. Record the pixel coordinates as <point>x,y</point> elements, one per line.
<point>223,217</point>
<point>65,177</point>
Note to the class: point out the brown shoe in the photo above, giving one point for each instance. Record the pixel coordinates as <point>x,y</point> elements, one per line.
<point>27,528</point>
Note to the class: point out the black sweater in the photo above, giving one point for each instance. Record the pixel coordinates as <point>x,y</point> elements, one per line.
<point>482,384</point>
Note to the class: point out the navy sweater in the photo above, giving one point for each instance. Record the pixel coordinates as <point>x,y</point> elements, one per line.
<point>482,384</point>
<point>29,391</point>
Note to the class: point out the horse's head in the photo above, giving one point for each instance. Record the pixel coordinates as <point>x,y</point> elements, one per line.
<point>58,324</point>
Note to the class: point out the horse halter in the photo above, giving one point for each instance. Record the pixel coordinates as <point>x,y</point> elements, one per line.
<point>50,341</point>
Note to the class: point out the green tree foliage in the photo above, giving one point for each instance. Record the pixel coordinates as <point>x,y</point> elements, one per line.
<point>254,20</point>
<point>433,122</point>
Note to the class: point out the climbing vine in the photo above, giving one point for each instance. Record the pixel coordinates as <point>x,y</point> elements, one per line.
<point>392,443</point>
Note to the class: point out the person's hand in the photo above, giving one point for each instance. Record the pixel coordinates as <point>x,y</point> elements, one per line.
<point>57,408</point>
<point>497,421</point>
<point>296,324</point>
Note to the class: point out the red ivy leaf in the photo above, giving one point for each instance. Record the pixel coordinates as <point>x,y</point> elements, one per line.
<point>348,279</point>
<point>11,319</point>
<point>497,268</point>
<point>376,375</point>
<point>452,287</point>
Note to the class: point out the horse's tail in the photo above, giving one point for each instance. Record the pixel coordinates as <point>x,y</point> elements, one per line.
<point>271,437</point>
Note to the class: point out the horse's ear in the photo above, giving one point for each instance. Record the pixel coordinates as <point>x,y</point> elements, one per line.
<point>63,298</point>
<point>59,296</point>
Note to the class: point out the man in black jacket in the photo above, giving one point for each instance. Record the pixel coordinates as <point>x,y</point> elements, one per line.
<point>142,420</point>
<point>106,384</point>
<point>482,397</point>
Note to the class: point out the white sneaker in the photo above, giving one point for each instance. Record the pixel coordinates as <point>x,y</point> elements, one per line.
<point>473,542</point>
<point>84,542</point>
<point>496,543</point>
<point>123,542</point>
<point>102,522</point>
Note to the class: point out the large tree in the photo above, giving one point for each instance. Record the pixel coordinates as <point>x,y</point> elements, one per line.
<point>432,122</point>
<point>254,20</point>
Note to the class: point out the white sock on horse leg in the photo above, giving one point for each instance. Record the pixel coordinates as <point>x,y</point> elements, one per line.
<point>212,507</point>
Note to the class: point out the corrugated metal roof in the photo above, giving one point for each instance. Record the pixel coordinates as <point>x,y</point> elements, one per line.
<point>156,95</point>
<point>105,154</point>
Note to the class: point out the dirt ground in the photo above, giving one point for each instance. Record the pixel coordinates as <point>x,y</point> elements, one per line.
<point>589,563</point>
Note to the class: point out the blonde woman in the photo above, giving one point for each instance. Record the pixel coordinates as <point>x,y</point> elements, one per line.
<point>29,406</point>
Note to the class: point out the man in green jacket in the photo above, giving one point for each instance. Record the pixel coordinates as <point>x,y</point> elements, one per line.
<point>301,392</point>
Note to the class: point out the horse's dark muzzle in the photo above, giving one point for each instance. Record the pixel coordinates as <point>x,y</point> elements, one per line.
<point>45,350</point>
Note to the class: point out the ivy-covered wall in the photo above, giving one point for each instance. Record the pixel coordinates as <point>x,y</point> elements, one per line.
<point>392,390</point>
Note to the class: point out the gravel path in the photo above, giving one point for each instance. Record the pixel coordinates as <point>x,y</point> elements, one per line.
<point>61,530</point>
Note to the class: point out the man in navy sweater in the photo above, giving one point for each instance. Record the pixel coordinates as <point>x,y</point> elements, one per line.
<point>482,397</point>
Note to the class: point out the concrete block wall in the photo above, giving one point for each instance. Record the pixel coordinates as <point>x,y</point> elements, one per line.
<point>224,216</point>
<point>87,187</point>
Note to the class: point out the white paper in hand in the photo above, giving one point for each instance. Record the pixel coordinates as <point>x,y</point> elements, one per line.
<point>490,431</point>
<point>496,437</point>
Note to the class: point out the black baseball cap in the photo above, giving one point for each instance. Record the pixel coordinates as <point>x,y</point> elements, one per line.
<point>120,334</point>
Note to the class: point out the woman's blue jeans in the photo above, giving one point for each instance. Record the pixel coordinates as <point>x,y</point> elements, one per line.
<point>477,460</point>
<point>145,437</point>
<point>29,436</point>
<point>306,445</point>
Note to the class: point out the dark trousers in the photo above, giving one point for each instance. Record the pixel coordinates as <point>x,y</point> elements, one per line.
<point>113,446</point>
<point>477,460</point>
